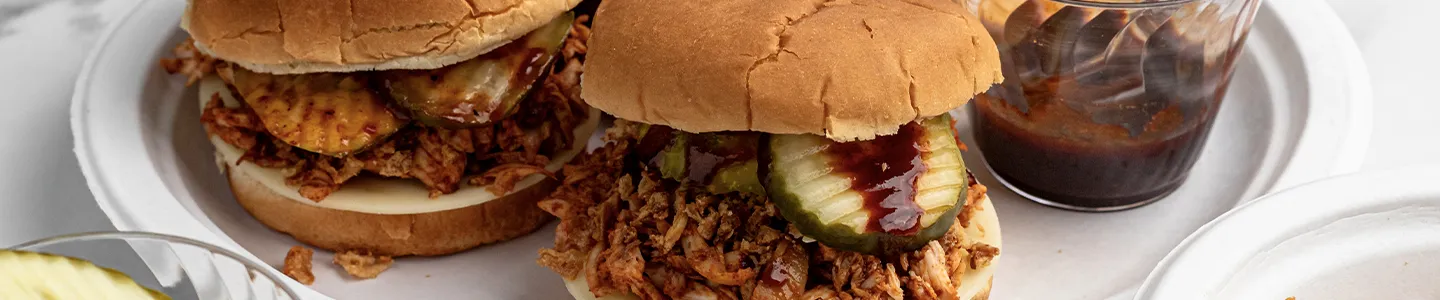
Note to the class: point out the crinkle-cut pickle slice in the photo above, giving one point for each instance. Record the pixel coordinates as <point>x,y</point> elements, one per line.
<point>818,200</point>
<point>333,114</point>
<point>29,275</point>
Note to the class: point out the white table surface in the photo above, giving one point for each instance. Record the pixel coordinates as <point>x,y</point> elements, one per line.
<point>45,194</point>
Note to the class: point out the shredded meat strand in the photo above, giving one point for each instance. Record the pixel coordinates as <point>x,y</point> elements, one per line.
<point>568,263</point>
<point>390,159</point>
<point>236,126</point>
<point>298,263</point>
<point>502,179</point>
<point>437,163</point>
<point>319,176</point>
<point>361,264</point>
<point>189,61</point>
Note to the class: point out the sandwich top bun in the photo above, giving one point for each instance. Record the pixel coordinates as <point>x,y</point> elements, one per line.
<point>846,69</point>
<point>307,36</point>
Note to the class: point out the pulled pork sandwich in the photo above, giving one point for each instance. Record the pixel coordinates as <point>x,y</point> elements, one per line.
<point>779,149</point>
<point>390,127</point>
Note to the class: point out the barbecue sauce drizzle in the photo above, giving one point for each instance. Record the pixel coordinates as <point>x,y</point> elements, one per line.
<point>884,171</point>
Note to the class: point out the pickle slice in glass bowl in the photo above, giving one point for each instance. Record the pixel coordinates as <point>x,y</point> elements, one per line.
<point>157,266</point>
<point>480,90</point>
<point>891,194</point>
<point>32,275</point>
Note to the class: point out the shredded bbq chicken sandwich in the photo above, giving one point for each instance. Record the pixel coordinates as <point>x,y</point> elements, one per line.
<point>390,127</point>
<point>778,149</point>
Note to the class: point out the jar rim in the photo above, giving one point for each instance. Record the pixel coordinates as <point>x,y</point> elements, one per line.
<point>1124,4</point>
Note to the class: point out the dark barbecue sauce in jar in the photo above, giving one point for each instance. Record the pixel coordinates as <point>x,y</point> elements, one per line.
<point>1055,153</point>
<point>884,171</point>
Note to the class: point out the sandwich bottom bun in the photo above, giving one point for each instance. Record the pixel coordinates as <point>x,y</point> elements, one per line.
<point>389,216</point>
<point>426,234</point>
<point>974,285</point>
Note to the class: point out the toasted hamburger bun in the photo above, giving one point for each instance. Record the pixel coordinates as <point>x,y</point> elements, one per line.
<point>849,70</point>
<point>974,285</point>
<point>308,36</point>
<point>389,216</point>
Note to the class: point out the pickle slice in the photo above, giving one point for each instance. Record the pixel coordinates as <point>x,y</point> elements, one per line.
<point>328,113</point>
<point>723,162</point>
<point>484,89</point>
<point>740,177</point>
<point>29,275</point>
<point>870,196</point>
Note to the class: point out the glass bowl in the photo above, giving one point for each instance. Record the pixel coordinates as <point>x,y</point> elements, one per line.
<point>180,267</point>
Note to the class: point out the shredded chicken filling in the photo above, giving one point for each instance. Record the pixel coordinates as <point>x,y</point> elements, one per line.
<point>496,156</point>
<point>656,239</point>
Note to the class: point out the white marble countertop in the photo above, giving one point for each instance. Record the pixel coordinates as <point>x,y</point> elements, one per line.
<point>43,43</point>
<point>42,46</point>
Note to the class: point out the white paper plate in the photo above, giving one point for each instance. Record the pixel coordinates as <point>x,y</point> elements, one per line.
<point>1297,111</point>
<point>151,168</point>
<point>1366,236</point>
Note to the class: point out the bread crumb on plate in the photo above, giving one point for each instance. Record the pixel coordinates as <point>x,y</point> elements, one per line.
<point>362,265</point>
<point>297,265</point>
